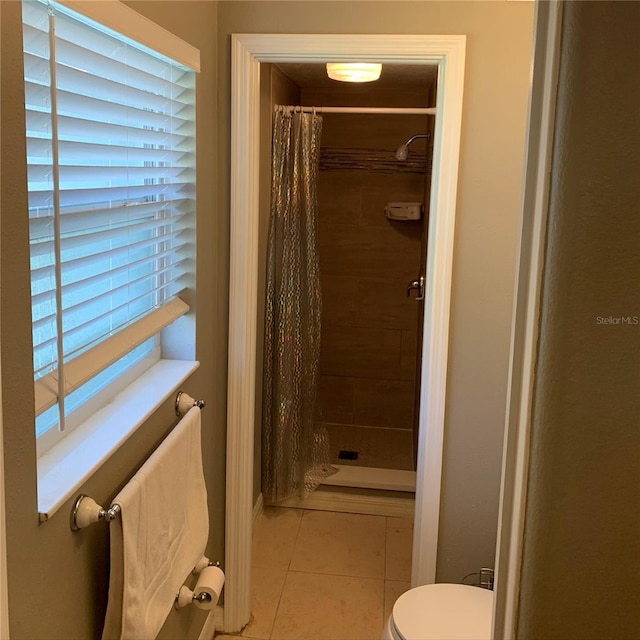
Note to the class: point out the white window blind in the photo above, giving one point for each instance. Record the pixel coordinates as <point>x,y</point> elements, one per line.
<point>111,171</point>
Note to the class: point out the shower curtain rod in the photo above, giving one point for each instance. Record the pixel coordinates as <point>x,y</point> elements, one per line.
<point>373,110</point>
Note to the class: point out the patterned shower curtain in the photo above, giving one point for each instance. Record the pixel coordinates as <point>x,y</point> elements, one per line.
<point>295,445</point>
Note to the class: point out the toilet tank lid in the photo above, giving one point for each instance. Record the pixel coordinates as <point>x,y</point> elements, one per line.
<point>437,611</point>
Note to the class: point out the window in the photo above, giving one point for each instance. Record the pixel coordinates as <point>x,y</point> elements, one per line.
<point>111,180</point>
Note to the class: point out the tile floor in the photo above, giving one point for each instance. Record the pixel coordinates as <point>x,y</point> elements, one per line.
<point>326,576</point>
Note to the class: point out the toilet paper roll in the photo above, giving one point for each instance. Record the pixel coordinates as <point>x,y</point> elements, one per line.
<point>210,582</point>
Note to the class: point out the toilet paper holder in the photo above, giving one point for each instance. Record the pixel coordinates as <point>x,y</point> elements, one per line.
<point>186,596</point>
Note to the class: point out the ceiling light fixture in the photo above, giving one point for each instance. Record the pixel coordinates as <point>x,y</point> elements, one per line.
<point>354,71</point>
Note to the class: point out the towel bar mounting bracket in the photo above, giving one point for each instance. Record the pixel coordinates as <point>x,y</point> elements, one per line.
<point>86,511</point>
<point>184,402</point>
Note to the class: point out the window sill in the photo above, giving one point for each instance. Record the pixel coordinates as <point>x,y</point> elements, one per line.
<point>66,467</point>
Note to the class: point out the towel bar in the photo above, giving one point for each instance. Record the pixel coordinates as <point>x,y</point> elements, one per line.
<point>86,510</point>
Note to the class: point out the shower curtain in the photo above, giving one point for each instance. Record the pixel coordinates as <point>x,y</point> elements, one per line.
<point>295,446</point>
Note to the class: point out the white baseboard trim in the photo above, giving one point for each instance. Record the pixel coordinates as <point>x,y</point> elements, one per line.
<point>258,508</point>
<point>213,623</point>
<point>350,503</point>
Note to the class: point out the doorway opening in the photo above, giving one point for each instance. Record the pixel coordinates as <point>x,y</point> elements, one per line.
<point>248,52</point>
<point>372,221</point>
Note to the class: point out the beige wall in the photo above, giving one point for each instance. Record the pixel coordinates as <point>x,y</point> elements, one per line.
<point>58,579</point>
<point>499,40</point>
<point>581,557</point>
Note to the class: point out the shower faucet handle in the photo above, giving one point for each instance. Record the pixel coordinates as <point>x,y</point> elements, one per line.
<point>417,284</point>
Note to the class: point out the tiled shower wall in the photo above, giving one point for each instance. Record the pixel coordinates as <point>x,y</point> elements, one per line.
<point>369,325</point>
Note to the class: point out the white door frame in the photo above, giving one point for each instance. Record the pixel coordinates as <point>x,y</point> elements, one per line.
<point>248,51</point>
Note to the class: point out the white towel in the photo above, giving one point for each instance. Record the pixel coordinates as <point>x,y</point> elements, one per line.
<point>159,536</point>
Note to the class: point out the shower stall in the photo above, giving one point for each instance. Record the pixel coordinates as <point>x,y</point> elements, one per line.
<point>370,261</point>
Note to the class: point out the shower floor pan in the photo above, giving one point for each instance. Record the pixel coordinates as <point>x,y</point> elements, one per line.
<point>372,478</point>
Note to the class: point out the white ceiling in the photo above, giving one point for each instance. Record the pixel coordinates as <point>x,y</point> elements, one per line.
<point>313,76</point>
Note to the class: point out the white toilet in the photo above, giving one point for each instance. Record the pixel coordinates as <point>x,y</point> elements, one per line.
<point>441,612</point>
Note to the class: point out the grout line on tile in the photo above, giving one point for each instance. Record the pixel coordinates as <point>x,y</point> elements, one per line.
<point>336,575</point>
<point>285,577</point>
<point>295,542</point>
<point>386,528</point>
<point>275,617</point>
<point>368,427</point>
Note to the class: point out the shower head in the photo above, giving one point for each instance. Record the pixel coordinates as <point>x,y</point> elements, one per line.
<point>403,150</point>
